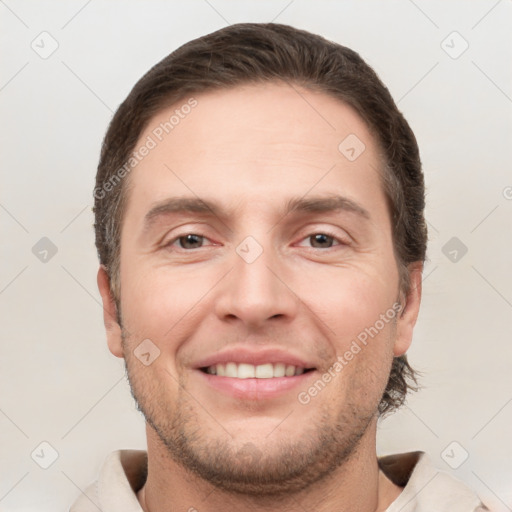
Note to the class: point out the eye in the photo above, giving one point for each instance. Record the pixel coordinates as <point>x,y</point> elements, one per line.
<point>188,241</point>
<point>323,240</point>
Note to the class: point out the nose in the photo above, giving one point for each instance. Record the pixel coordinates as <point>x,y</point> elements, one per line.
<point>256,290</point>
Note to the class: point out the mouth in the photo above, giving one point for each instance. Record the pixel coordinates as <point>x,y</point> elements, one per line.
<point>250,371</point>
<point>256,383</point>
<point>255,373</point>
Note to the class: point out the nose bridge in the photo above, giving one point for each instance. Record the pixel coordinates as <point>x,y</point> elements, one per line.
<point>252,269</point>
<point>253,292</point>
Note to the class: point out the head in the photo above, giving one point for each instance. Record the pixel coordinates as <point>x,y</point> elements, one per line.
<point>257,130</point>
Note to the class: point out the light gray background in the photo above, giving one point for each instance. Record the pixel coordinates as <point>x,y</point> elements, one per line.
<point>59,383</point>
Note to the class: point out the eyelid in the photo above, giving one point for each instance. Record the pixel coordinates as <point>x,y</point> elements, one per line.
<point>185,228</point>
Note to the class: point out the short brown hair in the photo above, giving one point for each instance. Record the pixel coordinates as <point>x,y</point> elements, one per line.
<point>254,53</point>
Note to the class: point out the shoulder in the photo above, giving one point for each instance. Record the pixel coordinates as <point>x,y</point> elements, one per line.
<point>426,487</point>
<point>123,473</point>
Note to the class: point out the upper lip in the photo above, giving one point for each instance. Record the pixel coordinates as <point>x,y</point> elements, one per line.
<point>255,357</point>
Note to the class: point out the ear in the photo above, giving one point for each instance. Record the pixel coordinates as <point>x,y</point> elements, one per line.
<point>112,327</point>
<point>410,310</point>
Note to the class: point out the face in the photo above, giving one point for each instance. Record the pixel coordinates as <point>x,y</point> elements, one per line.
<point>259,287</point>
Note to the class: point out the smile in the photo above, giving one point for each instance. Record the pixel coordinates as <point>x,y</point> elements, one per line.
<point>250,371</point>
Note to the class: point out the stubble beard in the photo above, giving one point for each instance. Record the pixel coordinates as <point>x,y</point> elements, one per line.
<point>270,469</point>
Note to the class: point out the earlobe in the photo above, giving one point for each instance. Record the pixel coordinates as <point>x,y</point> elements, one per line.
<point>112,327</point>
<point>410,309</point>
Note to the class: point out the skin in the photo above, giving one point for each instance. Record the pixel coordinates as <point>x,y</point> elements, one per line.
<point>251,149</point>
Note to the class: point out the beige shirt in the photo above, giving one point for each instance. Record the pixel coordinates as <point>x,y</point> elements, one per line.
<point>426,489</point>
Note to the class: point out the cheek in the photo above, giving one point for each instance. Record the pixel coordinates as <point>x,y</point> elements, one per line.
<point>364,360</point>
<point>350,300</point>
<point>162,303</point>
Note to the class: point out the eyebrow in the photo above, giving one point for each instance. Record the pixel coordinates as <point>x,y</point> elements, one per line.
<point>318,204</point>
<point>326,204</point>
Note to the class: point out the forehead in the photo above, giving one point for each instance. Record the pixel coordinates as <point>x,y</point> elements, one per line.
<point>258,139</point>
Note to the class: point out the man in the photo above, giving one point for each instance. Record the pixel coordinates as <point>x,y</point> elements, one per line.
<point>261,233</point>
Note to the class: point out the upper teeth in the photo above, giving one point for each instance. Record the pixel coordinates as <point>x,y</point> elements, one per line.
<point>248,371</point>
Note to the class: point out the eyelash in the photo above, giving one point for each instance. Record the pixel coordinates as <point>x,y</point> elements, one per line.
<point>341,241</point>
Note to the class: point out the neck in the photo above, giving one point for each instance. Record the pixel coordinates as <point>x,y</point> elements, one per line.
<point>356,485</point>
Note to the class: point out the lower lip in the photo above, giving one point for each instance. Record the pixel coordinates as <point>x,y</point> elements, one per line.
<point>256,389</point>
